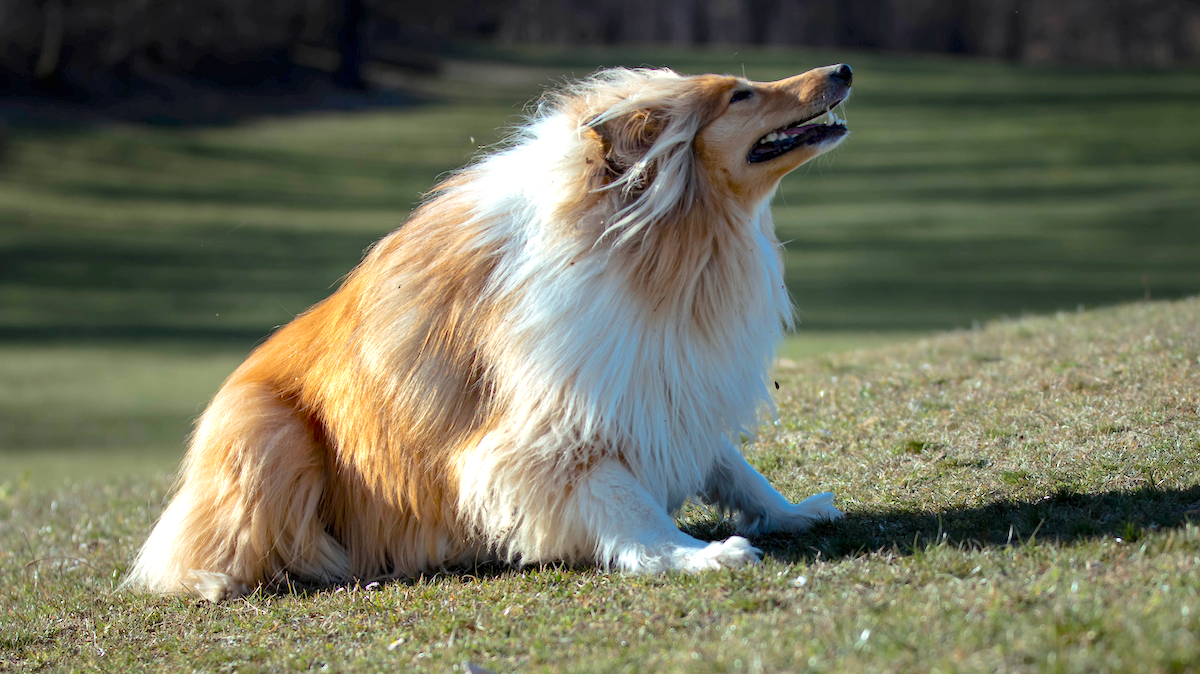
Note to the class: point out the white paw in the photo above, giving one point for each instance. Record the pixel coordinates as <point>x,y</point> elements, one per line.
<point>818,507</point>
<point>731,552</point>
<point>793,517</point>
<point>215,586</point>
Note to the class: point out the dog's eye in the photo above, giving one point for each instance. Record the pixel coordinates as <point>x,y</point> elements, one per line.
<point>740,95</point>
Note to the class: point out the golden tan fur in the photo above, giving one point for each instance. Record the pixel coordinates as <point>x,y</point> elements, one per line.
<point>338,449</point>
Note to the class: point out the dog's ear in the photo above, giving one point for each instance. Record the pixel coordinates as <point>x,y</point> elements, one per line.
<point>625,140</point>
<point>647,146</point>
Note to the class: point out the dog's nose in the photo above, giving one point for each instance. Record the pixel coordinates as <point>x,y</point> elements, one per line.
<point>842,72</point>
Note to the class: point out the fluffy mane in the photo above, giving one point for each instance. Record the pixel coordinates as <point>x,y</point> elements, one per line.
<point>565,340</point>
<point>642,306</point>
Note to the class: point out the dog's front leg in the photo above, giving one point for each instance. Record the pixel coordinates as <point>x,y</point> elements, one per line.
<point>631,531</point>
<point>601,514</point>
<point>734,485</point>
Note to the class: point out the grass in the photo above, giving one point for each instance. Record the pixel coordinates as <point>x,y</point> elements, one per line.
<point>70,411</point>
<point>1022,497</point>
<point>967,191</point>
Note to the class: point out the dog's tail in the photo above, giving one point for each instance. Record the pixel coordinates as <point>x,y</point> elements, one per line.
<point>247,508</point>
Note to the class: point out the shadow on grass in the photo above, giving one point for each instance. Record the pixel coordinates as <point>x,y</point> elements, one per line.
<point>1062,518</point>
<point>237,284</point>
<point>160,99</point>
<point>213,285</point>
<point>482,571</point>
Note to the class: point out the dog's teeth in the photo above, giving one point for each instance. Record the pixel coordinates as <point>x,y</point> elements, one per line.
<point>772,137</point>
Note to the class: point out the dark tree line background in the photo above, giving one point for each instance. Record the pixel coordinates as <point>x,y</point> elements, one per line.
<point>234,40</point>
<point>1122,32</point>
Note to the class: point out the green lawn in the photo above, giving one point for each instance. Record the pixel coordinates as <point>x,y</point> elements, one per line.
<point>1019,496</point>
<point>967,191</point>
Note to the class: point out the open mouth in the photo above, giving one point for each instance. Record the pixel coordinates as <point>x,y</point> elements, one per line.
<point>823,127</point>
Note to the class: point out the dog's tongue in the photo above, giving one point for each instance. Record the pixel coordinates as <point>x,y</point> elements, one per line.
<point>827,119</point>
<point>792,131</point>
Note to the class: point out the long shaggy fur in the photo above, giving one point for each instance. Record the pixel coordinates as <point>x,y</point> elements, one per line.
<point>564,342</point>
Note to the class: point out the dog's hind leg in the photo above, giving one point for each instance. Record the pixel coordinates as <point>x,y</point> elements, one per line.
<point>248,505</point>
<point>735,486</point>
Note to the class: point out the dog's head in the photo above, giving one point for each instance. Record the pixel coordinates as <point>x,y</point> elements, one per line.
<point>661,141</point>
<point>767,129</point>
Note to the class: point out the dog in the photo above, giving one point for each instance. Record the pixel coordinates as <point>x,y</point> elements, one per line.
<point>566,340</point>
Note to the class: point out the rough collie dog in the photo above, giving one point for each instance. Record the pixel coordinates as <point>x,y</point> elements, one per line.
<point>565,341</point>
